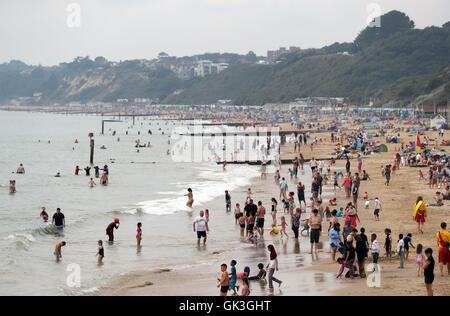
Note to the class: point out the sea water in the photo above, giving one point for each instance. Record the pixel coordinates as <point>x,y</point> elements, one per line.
<point>146,186</point>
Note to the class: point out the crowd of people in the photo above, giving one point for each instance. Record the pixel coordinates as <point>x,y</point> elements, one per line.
<point>349,245</point>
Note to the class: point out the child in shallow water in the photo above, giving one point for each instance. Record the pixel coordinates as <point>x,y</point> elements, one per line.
<point>283,226</point>
<point>256,236</point>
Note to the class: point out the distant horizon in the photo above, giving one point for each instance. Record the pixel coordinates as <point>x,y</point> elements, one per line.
<point>38,32</point>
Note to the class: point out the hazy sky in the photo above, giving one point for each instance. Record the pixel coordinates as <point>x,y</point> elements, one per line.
<point>36,31</point>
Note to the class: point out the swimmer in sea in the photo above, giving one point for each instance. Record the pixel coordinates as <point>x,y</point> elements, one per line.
<point>97,171</point>
<point>110,229</point>
<point>44,215</point>
<point>100,252</point>
<point>58,175</point>
<point>104,179</point>
<point>91,183</point>
<point>77,170</point>
<point>139,234</point>
<point>12,186</point>
<point>57,252</point>
<point>20,169</point>
<point>190,198</point>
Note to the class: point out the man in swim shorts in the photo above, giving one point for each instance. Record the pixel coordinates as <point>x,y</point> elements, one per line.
<point>57,252</point>
<point>260,213</point>
<point>200,225</point>
<point>315,223</point>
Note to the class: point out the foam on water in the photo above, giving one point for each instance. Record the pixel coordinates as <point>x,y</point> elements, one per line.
<point>211,182</point>
<point>27,237</point>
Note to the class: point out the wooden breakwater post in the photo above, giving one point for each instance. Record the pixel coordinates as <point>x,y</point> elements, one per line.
<point>91,142</point>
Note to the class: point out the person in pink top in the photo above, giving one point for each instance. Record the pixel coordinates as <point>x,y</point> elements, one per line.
<point>347,185</point>
<point>420,259</point>
<point>283,226</point>
<point>245,291</point>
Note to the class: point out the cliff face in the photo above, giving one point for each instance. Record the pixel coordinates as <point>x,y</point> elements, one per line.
<point>393,64</point>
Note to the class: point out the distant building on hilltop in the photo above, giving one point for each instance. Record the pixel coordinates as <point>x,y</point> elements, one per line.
<point>206,67</point>
<point>274,55</point>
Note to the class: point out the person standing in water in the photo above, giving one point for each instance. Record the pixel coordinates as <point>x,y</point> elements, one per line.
<point>58,253</point>
<point>20,169</point>
<point>190,196</point>
<point>224,281</point>
<point>58,219</point>
<point>44,215</point>
<point>260,214</point>
<point>91,183</point>
<point>315,222</point>
<point>88,171</point>
<point>272,266</point>
<point>200,225</point>
<point>100,252</point>
<point>77,170</point>
<point>12,186</point>
<point>227,201</point>
<point>139,234</point>
<point>110,229</point>
<point>97,171</point>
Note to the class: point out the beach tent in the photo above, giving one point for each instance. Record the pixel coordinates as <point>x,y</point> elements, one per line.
<point>437,121</point>
<point>383,148</point>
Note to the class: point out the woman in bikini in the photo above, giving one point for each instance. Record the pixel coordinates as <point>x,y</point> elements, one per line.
<point>190,198</point>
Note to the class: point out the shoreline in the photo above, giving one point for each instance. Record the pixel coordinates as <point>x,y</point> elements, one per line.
<point>397,202</point>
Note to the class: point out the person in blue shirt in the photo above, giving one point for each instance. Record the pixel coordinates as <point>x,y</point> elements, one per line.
<point>233,277</point>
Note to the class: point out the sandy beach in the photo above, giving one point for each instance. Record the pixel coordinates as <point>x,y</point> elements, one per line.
<point>397,200</point>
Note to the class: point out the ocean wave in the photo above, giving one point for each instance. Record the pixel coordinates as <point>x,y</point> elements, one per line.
<point>22,236</point>
<point>48,229</point>
<point>210,184</point>
<point>21,241</point>
<point>90,290</point>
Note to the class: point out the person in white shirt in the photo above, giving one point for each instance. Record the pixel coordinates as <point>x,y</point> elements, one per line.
<point>200,225</point>
<point>375,250</point>
<point>401,250</point>
<point>376,211</point>
<point>418,159</point>
<point>313,164</point>
<point>283,188</point>
<point>321,165</point>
